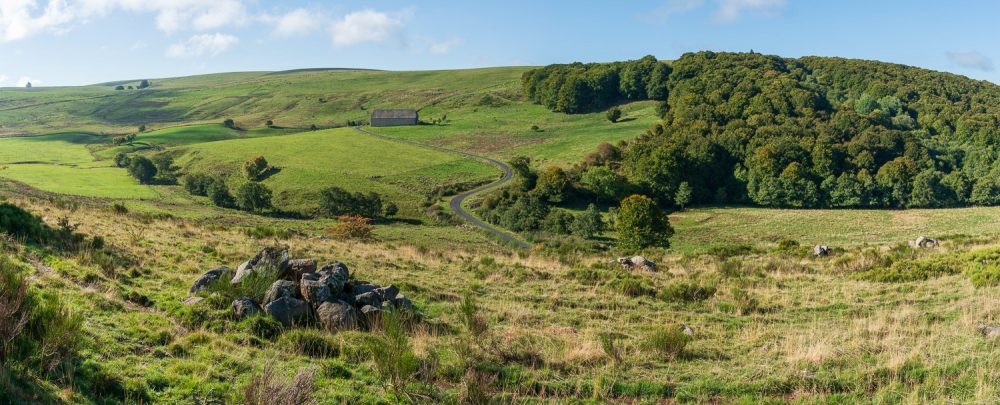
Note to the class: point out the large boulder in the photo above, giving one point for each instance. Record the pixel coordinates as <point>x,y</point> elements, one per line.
<point>371,298</point>
<point>388,293</point>
<point>269,259</point>
<point>335,275</point>
<point>205,280</point>
<point>245,307</point>
<point>279,289</point>
<point>639,262</point>
<point>988,330</point>
<point>314,288</point>
<point>822,251</point>
<point>361,287</point>
<point>336,316</point>
<point>298,267</point>
<point>288,311</point>
<point>925,242</point>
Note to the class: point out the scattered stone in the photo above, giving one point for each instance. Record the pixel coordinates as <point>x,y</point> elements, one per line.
<point>288,311</point>
<point>388,293</point>
<point>822,251</point>
<point>314,288</point>
<point>245,307</point>
<point>192,300</point>
<point>688,331</point>
<point>279,289</point>
<point>337,316</point>
<point>210,277</point>
<point>989,331</point>
<point>636,262</point>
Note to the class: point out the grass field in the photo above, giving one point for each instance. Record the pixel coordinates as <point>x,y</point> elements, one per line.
<point>700,228</point>
<point>779,327</point>
<point>311,161</point>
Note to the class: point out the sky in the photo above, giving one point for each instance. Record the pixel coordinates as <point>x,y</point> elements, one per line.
<point>79,42</point>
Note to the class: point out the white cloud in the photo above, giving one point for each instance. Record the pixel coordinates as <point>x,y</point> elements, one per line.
<point>3,80</point>
<point>20,19</point>
<point>367,26</point>
<point>441,48</point>
<point>204,44</point>
<point>296,23</point>
<point>731,10</point>
<point>971,60</point>
<point>24,80</point>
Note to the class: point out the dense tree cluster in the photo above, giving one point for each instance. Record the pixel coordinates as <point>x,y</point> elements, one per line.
<point>579,87</point>
<point>809,132</point>
<point>335,201</point>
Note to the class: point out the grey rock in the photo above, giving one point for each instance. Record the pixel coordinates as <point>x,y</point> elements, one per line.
<point>279,289</point>
<point>925,242</point>
<point>641,263</point>
<point>245,307</point>
<point>314,288</point>
<point>402,302</point>
<point>363,287</point>
<point>988,331</point>
<point>337,316</point>
<point>371,298</point>
<point>822,251</point>
<point>388,293</point>
<point>336,276</point>
<point>192,300</point>
<point>269,259</point>
<point>288,311</point>
<point>298,267</point>
<point>688,331</point>
<point>205,280</point>
<point>371,315</point>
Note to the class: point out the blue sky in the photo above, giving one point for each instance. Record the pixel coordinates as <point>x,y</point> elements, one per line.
<point>74,42</point>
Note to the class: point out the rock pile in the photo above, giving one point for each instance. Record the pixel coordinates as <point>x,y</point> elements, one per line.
<point>303,294</point>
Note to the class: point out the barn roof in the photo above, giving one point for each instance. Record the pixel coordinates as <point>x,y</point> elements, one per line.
<point>395,113</point>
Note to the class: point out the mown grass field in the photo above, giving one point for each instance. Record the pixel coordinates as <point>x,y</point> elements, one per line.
<point>307,162</point>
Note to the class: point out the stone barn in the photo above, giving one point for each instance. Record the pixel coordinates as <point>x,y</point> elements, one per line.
<point>394,118</point>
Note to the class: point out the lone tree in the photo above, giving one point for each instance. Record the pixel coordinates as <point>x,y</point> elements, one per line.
<point>640,224</point>
<point>28,85</point>
<point>229,123</point>
<point>269,123</point>
<point>142,169</point>
<point>588,223</point>
<point>614,114</point>
<point>144,84</point>
<point>683,196</point>
<point>256,168</point>
<point>119,87</point>
<point>254,197</point>
<point>219,194</point>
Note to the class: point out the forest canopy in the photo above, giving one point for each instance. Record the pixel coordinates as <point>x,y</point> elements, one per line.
<point>810,132</point>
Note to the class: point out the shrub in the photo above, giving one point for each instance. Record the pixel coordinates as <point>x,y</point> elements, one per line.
<point>727,250</point>
<point>631,286</point>
<point>142,169</point>
<point>668,341</point>
<point>198,183</point>
<point>640,224</point>
<point>268,389</point>
<point>119,209</point>
<point>687,292</point>
<point>350,227</point>
<point>219,194</point>
<point>122,160</point>
<point>256,168</point>
<point>19,223</point>
<point>310,342</point>
<point>744,302</point>
<point>254,197</point>
<point>335,201</point>
<point>395,361</point>
<point>229,123</point>
<point>911,270</point>
<point>788,244</point>
<point>614,114</point>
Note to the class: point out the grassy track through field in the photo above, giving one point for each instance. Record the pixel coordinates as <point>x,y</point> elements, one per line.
<point>457,201</point>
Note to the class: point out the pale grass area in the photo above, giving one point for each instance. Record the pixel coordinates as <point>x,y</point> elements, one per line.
<point>813,318</point>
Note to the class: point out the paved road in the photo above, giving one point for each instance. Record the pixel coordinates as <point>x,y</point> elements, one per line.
<point>456,201</point>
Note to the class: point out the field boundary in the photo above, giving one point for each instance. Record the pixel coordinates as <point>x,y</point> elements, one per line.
<point>457,201</point>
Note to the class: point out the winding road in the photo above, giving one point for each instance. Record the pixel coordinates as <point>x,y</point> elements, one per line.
<point>457,201</point>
